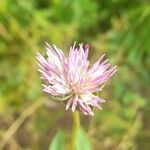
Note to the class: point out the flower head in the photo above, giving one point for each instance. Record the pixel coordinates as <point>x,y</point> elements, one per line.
<point>71,79</point>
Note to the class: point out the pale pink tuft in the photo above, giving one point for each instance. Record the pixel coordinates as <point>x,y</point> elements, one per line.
<point>71,79</point>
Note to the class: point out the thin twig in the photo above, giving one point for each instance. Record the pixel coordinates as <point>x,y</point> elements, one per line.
<point>132,131</point>
<point>24,115</point>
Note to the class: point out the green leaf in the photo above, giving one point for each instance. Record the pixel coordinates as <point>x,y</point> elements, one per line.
<point>57,142</point>
<point>82,142</point>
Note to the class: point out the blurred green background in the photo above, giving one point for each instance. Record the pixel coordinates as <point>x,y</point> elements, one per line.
<point>119,28</point>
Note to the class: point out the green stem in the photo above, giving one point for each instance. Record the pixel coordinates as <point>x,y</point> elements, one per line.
<point>76,125</point>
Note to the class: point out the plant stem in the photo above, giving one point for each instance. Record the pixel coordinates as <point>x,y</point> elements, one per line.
<point>76,125</point>
<point>17,123</point>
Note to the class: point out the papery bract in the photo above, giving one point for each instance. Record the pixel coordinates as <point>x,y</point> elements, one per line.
<point>71,79</point>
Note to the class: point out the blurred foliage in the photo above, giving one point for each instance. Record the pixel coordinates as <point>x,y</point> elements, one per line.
<point>57,142</point>
<point>82,141</point>
<point>121,29</point>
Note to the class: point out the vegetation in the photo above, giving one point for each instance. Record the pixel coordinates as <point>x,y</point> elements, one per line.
<point>121,29</point>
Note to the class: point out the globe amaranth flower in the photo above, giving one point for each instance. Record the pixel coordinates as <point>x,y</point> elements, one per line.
<point>71,79</point>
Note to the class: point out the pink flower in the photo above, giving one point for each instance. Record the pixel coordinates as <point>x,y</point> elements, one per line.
<point>71,79</point>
